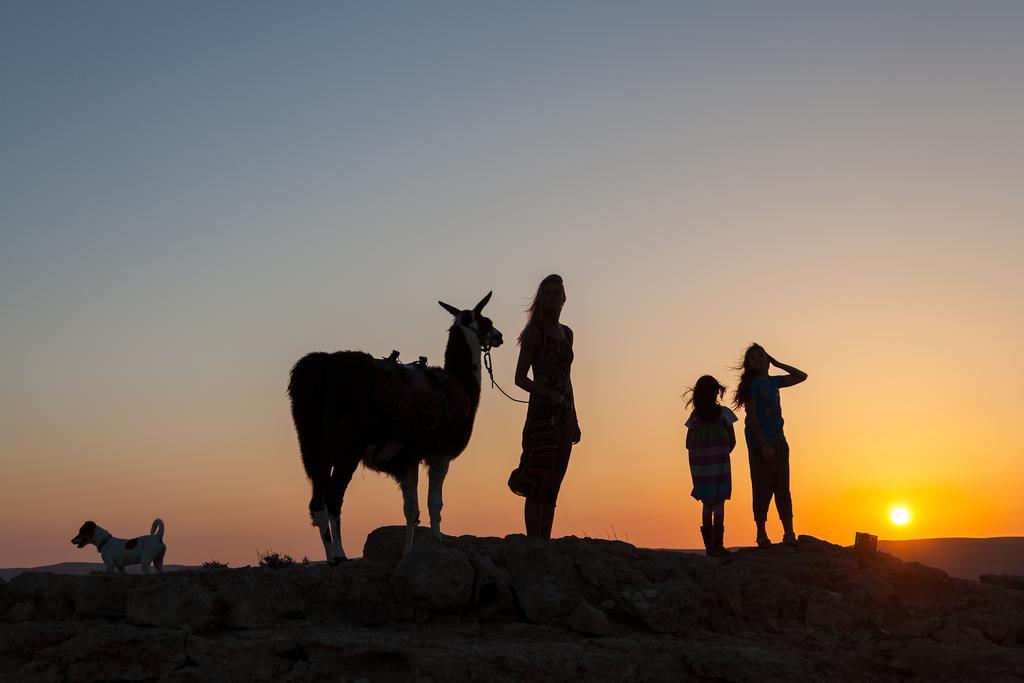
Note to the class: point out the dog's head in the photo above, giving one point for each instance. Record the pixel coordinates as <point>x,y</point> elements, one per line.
<point>86,535</point>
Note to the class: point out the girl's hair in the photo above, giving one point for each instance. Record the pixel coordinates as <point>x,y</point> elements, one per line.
<point>531,311</point>
<point>739,399</point>
<point>704,397</point>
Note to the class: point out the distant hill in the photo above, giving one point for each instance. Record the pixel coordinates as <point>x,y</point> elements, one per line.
<point>964,558</point>
<point>79,569</point>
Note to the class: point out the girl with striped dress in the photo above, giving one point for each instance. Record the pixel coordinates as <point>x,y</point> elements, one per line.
<point>710,438</point>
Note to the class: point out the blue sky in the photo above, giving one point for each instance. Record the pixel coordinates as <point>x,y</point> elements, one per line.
<point>192,195</point>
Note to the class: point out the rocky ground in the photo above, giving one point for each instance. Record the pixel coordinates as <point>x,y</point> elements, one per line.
<point>518,609</point>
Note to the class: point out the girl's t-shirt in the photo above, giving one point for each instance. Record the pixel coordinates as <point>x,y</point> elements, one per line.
<point>765,391</point>
<point>726,416</point>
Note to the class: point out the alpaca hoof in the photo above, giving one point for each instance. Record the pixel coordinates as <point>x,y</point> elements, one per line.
<point>337,561</point>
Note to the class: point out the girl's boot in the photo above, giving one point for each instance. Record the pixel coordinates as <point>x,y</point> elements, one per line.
<point>707,533</point>
<point>720,541</point>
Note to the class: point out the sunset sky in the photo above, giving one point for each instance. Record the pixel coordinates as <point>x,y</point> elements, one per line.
<point>194,195</point>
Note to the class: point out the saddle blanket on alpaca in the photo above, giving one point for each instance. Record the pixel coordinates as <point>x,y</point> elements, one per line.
<point>415,398</point>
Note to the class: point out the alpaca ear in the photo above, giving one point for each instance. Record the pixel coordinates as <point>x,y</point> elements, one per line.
<point>483,302</point>
<point>451,309</point>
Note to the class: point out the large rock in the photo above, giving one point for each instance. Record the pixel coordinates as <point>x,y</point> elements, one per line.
<point>543,580</point>
<point>7,597</point>
<point>519,609</point>
<point>1006,580</point>
<point>108,652</point>
<point>243,598</point>
<point>434,577</point>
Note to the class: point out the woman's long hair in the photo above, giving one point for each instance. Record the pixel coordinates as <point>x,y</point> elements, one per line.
<point>531,311</point>
<point>704,397</point>
<point>739,399</point>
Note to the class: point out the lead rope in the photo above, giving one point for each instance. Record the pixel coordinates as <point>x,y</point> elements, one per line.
<point>490,372</point>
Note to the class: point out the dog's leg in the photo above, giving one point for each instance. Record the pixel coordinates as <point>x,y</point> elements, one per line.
<point>158,561</point>
<point>438,469</point>
<point>144,563</point>
<point>410,504</point>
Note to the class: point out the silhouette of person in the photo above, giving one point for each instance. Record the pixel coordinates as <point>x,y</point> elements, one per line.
<point>710,438</point>
<point>551,429</point>
<point>767,448</point>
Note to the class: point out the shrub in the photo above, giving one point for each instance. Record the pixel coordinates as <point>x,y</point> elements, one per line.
<point>214,564</point>
<point>275,560</point>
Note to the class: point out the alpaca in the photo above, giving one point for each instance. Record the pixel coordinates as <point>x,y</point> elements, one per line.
<point>349,407</point>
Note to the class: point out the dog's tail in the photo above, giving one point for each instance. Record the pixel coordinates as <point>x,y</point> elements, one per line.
<point>157,528</point>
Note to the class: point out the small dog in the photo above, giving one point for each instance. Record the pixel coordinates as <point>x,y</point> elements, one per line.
<point>118,552</point>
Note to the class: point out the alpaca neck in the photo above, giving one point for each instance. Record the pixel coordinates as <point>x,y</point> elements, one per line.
<point>462,360</point>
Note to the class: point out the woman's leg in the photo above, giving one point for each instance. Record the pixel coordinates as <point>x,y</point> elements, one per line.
<point>533,511</point>
<point>761,477</point>
<point>548,522</point>
<point>783,497</point>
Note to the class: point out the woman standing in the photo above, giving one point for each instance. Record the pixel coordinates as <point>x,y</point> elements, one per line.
<point>767,448</point>
<point>545,350</point>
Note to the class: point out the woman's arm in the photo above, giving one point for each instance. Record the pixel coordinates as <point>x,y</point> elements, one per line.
<point>792,377</point>
<point>527,352</point>
<point>755,426</point>
<point>572,394</point>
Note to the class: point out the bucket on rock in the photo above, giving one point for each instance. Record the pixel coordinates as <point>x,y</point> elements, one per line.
<point>864,547</point>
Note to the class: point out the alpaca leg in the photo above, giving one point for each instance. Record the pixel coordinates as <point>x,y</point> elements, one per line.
<point>411,506</point>
<point>318,511</point>
<point>437,472</point>
<point>340,479</point>
<point>320,477</point>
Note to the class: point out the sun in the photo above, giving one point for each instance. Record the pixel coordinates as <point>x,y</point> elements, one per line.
<point>899,516</point>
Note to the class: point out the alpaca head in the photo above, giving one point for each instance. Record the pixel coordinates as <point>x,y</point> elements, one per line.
<point>475,324</point>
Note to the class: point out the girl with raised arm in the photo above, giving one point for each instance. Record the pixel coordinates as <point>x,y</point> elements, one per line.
<point>551,429</point>
<point>767,448</point>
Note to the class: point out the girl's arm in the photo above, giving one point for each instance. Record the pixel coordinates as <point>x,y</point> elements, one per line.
<point>794,376</point>
<point>732,437</point>
<point>527,352</point>
<point>755,426</point>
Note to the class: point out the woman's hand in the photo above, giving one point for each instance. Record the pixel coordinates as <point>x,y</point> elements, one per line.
<point>554,397</point>
<point>577,435</point>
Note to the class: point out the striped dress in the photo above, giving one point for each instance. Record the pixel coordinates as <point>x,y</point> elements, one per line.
<point>708,446</point>
<point>549,429</point>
